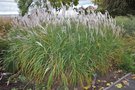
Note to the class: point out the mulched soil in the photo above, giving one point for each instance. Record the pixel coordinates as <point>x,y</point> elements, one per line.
<point>16,85</point>
<point>127,83</point>
<point>98,84</point>
<point>107,80</point>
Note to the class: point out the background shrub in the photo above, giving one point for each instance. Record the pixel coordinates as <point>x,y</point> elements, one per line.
<point>128,23</point>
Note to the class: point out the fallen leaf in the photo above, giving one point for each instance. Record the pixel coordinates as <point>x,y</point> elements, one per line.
<point>119,85</point>
<point>108,84</point>
<point>119,71</point>
<point>133,77</point>
<point>104,81</point>
<point>102,88</point>
<point>115,77</point>
<point>99,80</point>
<point>86,87</point>
<point>111,82</point>
<point>94,86</point>
<point>125,82</point>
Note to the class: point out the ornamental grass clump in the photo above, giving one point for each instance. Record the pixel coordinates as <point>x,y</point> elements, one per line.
<point>65,51</point>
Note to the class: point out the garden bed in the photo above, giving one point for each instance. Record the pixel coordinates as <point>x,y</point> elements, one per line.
<point>100,83</point>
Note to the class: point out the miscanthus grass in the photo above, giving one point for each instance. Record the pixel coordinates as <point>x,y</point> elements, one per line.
<point>65,51</point>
